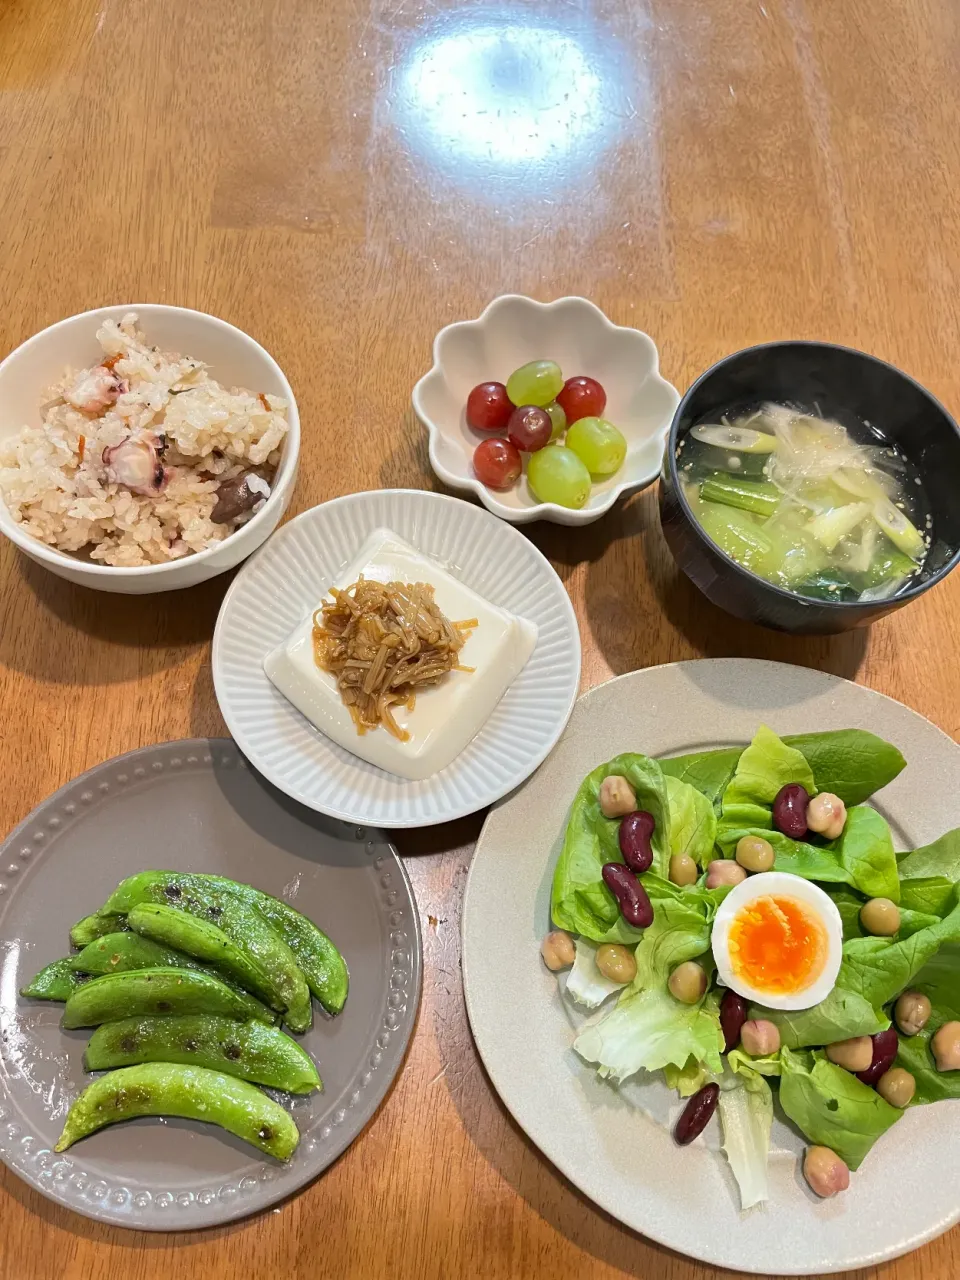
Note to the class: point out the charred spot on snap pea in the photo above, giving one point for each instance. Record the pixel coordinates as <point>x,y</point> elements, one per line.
<point>206,896</point>
<point>190,1092</point>
<point>252,1051</point>
<point>151,991</point>
<point>168,973</point>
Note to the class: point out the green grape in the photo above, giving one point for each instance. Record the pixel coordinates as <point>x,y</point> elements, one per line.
<point>559,419</point>
<point>557,475</point>
<point>598,444</point>
<point>535,383</point>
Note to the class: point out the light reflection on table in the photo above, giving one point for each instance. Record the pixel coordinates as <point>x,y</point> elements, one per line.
<point>513,100</point>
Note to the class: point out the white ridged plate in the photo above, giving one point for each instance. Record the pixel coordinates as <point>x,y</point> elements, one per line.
<point>288,577</point>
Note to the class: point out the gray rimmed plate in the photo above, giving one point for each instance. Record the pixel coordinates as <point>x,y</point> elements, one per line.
<point>616,1145</point>
<point>195,805</point>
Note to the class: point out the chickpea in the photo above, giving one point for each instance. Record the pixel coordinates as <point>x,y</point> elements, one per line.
<point>827,814</point>
<point>912,1012</point>
<point>616,962</point>
<point>683,869</point>
<point>558,950</point>
<point>853,1055</point>
<point>946,1047</point>
<point>755,854</point>
<point>617,797</point>
<point>825,1172</point>
<point>688,982</point>
<point>723,871</point>
<point>758,1037</point>
<point>881,917</point>
<point>897,1087</point>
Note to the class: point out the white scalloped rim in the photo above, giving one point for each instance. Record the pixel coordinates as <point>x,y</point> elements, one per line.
<point>287,579</point>
<point>573,331</point>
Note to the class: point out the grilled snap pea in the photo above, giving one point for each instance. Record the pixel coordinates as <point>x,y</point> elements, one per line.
<point>117,952</point>
<point>168,1089</point>
<point>57,981</point>
<point>240,920</point>
<point>92,927</point>
<point>319,960</point>
<point>264,1055</point>
<point>156,991</point>
<point>204,941</point>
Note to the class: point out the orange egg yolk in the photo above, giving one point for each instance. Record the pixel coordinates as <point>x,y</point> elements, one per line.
<point>777,944</point>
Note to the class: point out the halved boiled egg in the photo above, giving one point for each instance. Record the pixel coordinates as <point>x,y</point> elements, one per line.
<point>778,941</point>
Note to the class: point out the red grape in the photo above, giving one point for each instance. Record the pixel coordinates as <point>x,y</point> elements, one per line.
<point>488,407</point>
<point>529,428</point>
<point>582,398</point>
<point>497,463</point>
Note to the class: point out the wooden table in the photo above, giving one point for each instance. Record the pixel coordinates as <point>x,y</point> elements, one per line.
<point>340,180</point>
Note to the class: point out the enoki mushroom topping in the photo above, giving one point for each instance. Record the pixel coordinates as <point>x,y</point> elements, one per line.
<point>383,642</point>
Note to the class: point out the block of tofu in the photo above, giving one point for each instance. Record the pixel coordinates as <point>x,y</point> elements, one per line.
<point>446,717</point>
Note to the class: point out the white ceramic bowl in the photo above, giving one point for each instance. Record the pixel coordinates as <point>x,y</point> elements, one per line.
<point>512,330</point>
<point>285,582</point>
<point>235,360</point>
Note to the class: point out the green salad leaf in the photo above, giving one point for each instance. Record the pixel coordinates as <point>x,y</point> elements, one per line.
<point>939,980</point>
<point>865,852</point>
<point>851,763</point>
<point>915,1056</point>
<point>739,1061</point>
<point>707,771</point>
<point>649,1029</point>
<point>693,824</point>
<point>831,1107</point>
<point>930,894</point>
<point>746,1117</point>
<point>940,859</point>
<point>688,1079</point>
<point>580,901</point>
<point>766,766</point>
<point>840,1016</point>
<point>878,969</point>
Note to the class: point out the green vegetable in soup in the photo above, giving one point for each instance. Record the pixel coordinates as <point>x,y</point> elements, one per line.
<point>794,498</point>
<point>760,498</point>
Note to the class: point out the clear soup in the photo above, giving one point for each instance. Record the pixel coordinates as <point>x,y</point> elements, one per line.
<point>806,503</point>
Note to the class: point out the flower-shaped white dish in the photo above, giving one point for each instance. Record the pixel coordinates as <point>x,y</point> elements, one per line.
<point>579,337</point>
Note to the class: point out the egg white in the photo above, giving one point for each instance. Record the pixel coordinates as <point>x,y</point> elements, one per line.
<point>767,884</point>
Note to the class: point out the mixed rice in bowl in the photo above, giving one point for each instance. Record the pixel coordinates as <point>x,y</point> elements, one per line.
<point>143,458</point>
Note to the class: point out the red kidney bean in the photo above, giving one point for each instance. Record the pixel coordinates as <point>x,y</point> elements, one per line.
<point>885,1045</point>
<point>630,894</point>
<point>635,832</point>
<point>733,1014</point>
<point>790,810</point>
<point>696,1114</point>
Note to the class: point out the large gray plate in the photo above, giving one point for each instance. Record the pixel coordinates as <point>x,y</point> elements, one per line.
<point>616,1144</point>
<point>195,805</point>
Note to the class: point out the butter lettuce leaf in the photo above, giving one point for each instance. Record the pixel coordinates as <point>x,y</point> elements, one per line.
<point>831,1107</point>
<point>693,823</point>
<point>940,859</point>
<point>580,901</point>
<point>765,767</point>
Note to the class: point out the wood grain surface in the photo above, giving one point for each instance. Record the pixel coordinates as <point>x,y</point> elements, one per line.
<point>340,179</point>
